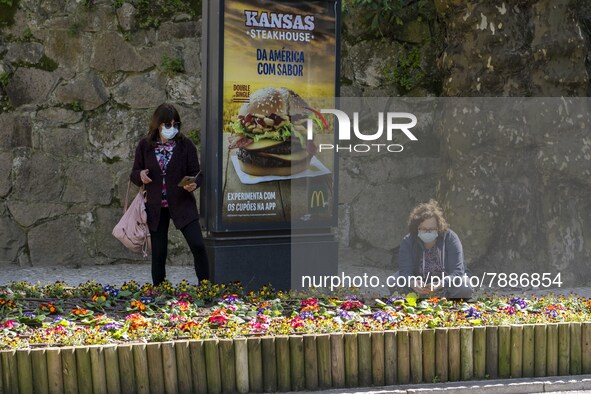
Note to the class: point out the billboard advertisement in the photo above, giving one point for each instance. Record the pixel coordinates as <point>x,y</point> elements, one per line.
<point>279,68</point>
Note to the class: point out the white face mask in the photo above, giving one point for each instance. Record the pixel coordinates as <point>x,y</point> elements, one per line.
<point>169,133</point>
<point>428,236</point>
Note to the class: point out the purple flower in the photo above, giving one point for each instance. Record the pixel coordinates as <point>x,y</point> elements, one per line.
<point>383,317</point>
<point>262,309</point>
<point>146,300</point>
<point>518,302</point>
<point>472,312</point>
<point>229,298</point>
<point>111,326</point>
<point>552,313</point>
<point>394,298</point>
<point>350,298</point>
<point>343,314</point>
<point>30,315</point>
<point>60,320</point>
<point>113,292</point>
<point>306,315</point>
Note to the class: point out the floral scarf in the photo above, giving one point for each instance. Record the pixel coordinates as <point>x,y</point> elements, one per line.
<point>163,155</point>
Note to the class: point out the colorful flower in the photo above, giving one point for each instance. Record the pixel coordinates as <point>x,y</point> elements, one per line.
<point>49,308</point>
<point>230,298</point>
<point>137,305</point>
<point>8,324</point>
<point>100,297</point>
<point>472,312</point>
<point>518,302</point>
<point>80,312</point>
<point>218,317</point>
<point>306,315</point>
<point>383,317</point>
<point>188,326</point>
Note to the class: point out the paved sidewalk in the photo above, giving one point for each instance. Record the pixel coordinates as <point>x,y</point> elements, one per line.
<point>351,262</point>
<point>569,384</point>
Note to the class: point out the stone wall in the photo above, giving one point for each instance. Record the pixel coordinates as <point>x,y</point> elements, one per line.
<point>81,80</point>
<point>378,191</point>
<point>518,194</point>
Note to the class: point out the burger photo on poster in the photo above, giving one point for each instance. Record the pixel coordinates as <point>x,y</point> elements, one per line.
<point>270,133</point>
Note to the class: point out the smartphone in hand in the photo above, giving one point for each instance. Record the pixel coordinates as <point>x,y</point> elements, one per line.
<point>188,180</point>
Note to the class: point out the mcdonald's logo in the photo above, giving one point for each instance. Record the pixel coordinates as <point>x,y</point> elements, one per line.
<point>317,195</point>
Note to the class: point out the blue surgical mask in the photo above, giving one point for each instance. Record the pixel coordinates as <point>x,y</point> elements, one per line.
<point>169,133</point>
<point>428,236</point>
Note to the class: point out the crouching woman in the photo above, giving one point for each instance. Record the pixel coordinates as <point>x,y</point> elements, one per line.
<point>431,256</point>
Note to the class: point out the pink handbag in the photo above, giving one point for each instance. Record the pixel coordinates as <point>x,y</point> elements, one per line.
<point>132,230</point>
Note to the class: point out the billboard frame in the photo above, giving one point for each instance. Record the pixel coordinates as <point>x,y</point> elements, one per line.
<point>212,60</point>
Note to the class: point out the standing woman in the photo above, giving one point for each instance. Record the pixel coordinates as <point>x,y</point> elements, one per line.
<point>162,159</point>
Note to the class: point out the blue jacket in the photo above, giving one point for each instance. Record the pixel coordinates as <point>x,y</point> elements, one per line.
<point>411,252</point>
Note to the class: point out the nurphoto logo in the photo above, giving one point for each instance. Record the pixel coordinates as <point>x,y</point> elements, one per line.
<point>394,122</point>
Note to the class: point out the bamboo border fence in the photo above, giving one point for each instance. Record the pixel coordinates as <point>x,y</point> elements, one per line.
<point>302,362</point>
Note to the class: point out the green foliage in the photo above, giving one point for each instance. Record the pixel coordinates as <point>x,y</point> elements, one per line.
<point>88,4</point>
<point>111,160</point>
<point>76,105</point>
<point>195,136</point>
<point>172,65</point>
<point>4,78</point>
<point>75,29</point>
<point>27,35</point>
<point>7,10</point>
<point>47,64</point>
<point>407,73</point>
<point>378,15</point>
<point>151,13</point>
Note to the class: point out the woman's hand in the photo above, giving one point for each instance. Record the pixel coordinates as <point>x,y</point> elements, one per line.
<point>190,187</point>
<point>144,176</point>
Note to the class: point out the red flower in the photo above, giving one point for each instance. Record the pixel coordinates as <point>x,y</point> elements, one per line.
<point>185,297</point>
<point>8,324</point>
<point>100,297</point>
<point>183,305</point>
<point>137,321</point>
<point>48,307</point>
<point>218,317</point>
<point>309,302</point>
<point>510,310</point>
<point>10,304</point>
<point>296,322</point>
<point>351,304</point>
<point>186,327</point>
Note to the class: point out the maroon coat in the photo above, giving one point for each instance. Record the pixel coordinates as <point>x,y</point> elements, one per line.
<point>181,203</point>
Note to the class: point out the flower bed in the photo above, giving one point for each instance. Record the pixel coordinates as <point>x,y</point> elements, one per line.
<point>216,338</point>
<point>57,315</point>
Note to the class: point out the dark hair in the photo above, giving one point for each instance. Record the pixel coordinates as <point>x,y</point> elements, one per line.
<point>163,114</point>
<point>426,211</point>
